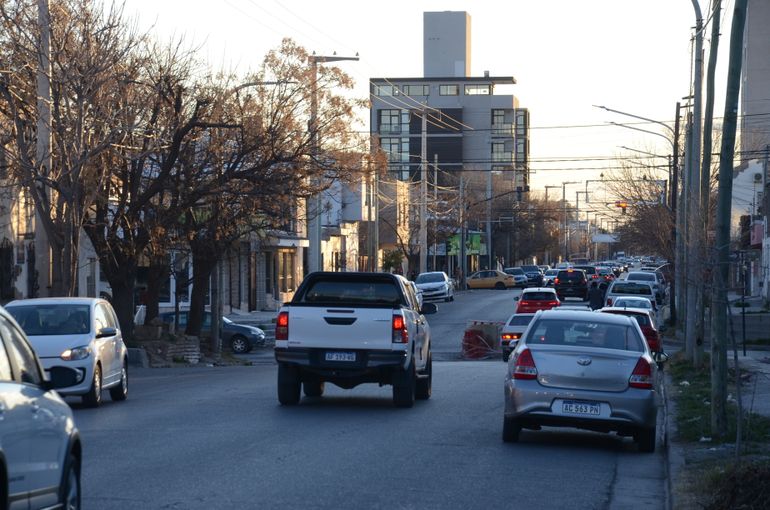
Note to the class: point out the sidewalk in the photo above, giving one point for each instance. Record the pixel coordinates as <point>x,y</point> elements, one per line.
<point>756,304</point>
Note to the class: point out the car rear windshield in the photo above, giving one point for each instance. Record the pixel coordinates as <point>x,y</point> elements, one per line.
<point>514,270</point>
<point>538,296</point>
<point>631,288</point>
<point>350,291</point>
<point>430,278</point>
<point>633,303</point>
<point>642,319</point>
<point>531,268</point>
<point>641,277</point>
<point>53,319</point>
<point>571,276</point>
<point>587,269</point>
<point>520,320</point>
<point>584,334</point>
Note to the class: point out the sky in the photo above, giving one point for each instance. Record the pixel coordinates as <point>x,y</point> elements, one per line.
<point>629,55</point>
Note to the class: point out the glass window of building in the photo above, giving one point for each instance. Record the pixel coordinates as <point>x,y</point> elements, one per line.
<point>477,90</point>
<point>448,90</point>
<point>390,121</point>
<point>498,117</point>
<point>416,90</point>
<point>385,90</point>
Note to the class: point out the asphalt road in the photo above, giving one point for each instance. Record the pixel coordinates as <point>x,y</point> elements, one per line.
<point>216,437</point>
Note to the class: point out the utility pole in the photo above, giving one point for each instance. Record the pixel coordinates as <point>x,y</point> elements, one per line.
<point>462,234</point>
<point>313,213</point>
<point>564,209</point>
<point>676,238</point>
<point>43,158</point>
<point>722,244</point>
<point>424,195</point>
<point>489,219</point>
<point>435,202</point>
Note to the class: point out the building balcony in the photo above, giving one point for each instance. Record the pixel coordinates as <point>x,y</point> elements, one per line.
<point>502,157</point>
<point>506,130</point>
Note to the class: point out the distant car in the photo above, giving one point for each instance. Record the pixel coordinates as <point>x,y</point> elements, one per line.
<point>544,267</point>
<point>490,280</point>
<point>537,298</point>
<point>549,277</point>
<point>534,274</point>
<point>514,327</point>
<point>435,285</point>
<point>40,450</point>
<point>80,333</point>
<point>591,273</point>
<point>519,277</point>
<point>652,278</point>
<point>623,288</point>
<point>582,369</point>
<point>646,322</point>
<point>241,338</point>
<point>638,302</point>
<point>563,265</point>
<point>606,273</point>
<point>571,283</point>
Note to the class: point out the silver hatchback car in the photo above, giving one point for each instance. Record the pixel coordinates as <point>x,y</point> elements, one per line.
<point>584,370</point>
<point>79,333</point>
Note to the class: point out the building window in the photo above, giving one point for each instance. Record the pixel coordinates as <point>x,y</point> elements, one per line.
<point>498,117</point>
<point>385,90</point>
<point>416,90</point>
<point>449,90</point>
<point>394,121</point>
<point>285,270</point>
<point>498,153</point>
<point>477,90</point>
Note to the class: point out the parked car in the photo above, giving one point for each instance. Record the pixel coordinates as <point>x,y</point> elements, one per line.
<point>534,274</point>
<point>80,333</point>
<point>490,280</point>
<point>646,323</point>
<point>519,277</point>
<point>537,298</point>
<point>510,333</point>
<point>40,450</point>
<point>435,285</point>
<point>241,338</point>
<point>549,277</point>
<point>582,369</point>
<point>571,283</point>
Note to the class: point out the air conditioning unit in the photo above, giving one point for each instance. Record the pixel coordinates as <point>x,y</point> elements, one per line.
<point>757,177</point>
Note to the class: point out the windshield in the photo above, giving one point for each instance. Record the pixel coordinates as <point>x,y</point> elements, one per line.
<point>430,278</point>
<point>520,320</point>
<point>54,319</point>
<point>633,303</point>
<point>552,272</point>
<point>642,277</point>
<point>353,292</point>
<point>631,288</point>
<point>538,296</point>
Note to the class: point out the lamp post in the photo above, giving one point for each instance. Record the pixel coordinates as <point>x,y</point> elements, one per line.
<point>315,262</point>
<point>564,207</point>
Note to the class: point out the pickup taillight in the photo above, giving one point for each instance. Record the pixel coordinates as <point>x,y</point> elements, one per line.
<point>282,326</point>
<point>400,333</point>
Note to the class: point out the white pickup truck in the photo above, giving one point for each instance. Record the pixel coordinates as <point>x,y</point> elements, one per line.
<point>354,328</point>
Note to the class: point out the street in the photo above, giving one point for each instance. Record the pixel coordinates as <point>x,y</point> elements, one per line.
<point>216,437</point>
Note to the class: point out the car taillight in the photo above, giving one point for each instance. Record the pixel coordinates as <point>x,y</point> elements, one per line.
<point>525,366</point>
<point>555,281</point>
<point>641,377</point>
<point>595,276</point>
<point>510,336</point>
<point>400,333</point>
<point>282,326</point>
<point>553,303</point>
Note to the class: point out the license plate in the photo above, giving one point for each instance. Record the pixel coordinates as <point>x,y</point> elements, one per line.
<point>589,408</point>
<point>340,356</point>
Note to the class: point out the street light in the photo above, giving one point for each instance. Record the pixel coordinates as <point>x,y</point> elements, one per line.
<point>564,206</point>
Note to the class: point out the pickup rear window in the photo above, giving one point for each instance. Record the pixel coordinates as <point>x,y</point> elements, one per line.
<point>631,288</point>
<point>351,292</point>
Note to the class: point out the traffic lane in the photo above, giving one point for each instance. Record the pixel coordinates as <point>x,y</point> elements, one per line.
<point>448,324</point>
<point>214,438</point>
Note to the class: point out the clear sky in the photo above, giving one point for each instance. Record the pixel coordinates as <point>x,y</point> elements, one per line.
<point>629,55</point>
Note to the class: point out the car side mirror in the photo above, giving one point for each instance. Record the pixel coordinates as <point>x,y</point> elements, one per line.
<point>62,377</point>
<point>106,332</point>
<point>516,298</point>
<point>660,358</point>
<point>429,308</point>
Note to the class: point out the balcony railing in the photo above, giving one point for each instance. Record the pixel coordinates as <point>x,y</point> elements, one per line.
<point>502,129</point>
<point>392,129</point>
<point>502,157</point>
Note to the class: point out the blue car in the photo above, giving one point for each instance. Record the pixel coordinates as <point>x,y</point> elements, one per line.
<point>240,337</point>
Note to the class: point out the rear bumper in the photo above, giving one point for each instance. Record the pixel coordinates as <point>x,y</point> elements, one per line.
<point>370,365</point>
<point>533,405</point>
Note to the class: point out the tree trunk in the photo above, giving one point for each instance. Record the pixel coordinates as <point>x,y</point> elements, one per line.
<point>203,265</point>
<point>123,283</point>
<point>157,274</point>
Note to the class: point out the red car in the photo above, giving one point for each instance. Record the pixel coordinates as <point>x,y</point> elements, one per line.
<point>536,298</point>
<point>646,323</point>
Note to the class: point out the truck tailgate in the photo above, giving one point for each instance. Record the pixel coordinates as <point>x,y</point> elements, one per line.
<point>340,328</point>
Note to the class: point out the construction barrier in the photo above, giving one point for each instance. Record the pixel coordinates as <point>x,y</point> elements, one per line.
<point>481,340</point>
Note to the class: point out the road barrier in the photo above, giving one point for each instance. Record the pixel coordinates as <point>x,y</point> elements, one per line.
<point>481,340</point>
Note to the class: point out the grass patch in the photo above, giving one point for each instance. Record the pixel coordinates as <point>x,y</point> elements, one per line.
<point>692,392</point>
<point>745,487</point>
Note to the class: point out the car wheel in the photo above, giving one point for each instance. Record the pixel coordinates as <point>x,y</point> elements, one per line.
<point>314,387</point>
<point>94,396</point>
<point>500,286</point>
<point>424,386</point>
<point>452,297</point>
<point>288,385</point>
<point>511,430</point>
<point>404,387</point>
<point>239,344</point>
<point>645,439</point>
<point>120,392</point>
<point>69,490</point>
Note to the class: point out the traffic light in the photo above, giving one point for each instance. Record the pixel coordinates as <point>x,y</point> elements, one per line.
<point>622,204</point>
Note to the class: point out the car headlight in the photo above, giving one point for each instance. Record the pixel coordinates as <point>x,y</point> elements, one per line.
<point>257,331</point>
<point>76,353</point>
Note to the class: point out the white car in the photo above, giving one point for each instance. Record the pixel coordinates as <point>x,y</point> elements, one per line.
<point>549,276</point>
<point>79,333</point>
<point>514,327</point>
<point>639,302</point>
<point>435,285</point>
<point>40,451</point>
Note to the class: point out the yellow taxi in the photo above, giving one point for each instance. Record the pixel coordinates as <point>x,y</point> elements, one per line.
<point>490,279</point>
